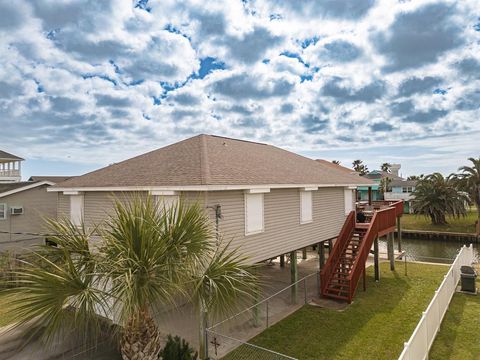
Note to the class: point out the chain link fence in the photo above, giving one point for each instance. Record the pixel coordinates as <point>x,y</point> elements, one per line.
<point>231,335</point>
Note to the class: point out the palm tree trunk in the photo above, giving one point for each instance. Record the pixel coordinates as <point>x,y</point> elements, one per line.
<point>141,339</point>
<point>202,336</point>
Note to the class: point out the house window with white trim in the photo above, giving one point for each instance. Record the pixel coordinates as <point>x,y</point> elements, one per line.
<point>348,195</point>
<point>76,209</point>
<point>3,211</point>
<point>306,207</point>
<point>166,202</point>
<point>254,222</point>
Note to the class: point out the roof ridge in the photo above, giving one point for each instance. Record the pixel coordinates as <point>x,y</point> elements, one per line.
<point>204,163</point>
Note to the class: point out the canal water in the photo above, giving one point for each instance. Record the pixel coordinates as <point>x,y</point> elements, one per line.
<point>440,251</point>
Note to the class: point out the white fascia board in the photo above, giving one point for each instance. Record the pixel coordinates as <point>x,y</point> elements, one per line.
<point>310,188</point>
<point>351,187</point>
<point>27,187</point>
<point>163,192</point>
<point>257,191</point>
<point>201,187</point>
<point>72,192</point>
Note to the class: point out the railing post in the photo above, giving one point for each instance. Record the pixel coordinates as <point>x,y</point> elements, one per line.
<point>375,259</point>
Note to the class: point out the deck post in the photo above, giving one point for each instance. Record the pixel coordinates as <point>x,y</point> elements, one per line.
<point>399,233</point>
<point>369,195</point>
<point>321,255</point>
<point>375,259</point>
<point>304,253</point>
<point>294,275</point>
<point>330,246</point>
<point>282,261</point>
<point>391,254</point>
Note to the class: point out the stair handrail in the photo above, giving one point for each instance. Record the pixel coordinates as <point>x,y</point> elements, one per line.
<point>333,258</point>
<point>381,220</point>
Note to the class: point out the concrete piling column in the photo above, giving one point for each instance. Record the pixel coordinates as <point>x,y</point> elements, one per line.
<point>282,261</point>
<point>304,253</point>
<point>399,233</point>
<point>321,255</point>
<point>375,259</point>
<point>390,249</point>
<point>330,246</point>
<point>294,275</point>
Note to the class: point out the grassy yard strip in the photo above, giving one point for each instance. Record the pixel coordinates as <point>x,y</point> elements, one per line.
<point>375,326</point>
<point>458,336</point>
<point>462,225</point>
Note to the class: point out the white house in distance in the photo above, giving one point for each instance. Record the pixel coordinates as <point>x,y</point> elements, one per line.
<point>272,201</point>
<point>24,205</point>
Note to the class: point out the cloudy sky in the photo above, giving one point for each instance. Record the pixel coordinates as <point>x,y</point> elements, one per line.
<point>87,83</point>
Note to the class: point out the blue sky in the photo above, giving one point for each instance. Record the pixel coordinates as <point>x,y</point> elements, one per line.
<point>87,83</point>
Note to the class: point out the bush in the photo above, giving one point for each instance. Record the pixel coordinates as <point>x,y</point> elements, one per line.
<point>177,349</point>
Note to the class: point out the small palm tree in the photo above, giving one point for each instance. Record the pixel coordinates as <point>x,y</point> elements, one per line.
<point>146,256</point>
<point>469,181</point>
<point>360,167</point>
<point>436,197</point>
<point>336,162</point>
<point>386,167</point>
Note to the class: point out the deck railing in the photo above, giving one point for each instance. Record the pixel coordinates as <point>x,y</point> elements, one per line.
<point>9,173</point>
<point>397,204</point>
<point>342,241</point>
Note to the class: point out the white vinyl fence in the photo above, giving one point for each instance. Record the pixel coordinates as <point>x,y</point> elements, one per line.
<point>420,342</point>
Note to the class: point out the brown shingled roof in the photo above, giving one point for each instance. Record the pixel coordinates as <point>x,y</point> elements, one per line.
<point>54,179</point>
<point>337,167</point>
<point>7,156</point>
<point>214,160</point>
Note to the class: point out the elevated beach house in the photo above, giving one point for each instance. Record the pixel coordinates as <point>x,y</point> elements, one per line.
<point>268,200</point>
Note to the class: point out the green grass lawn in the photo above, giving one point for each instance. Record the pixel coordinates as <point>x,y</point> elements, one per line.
<point>375,326</point>
<point>458,336</point>
<point>464,224</point>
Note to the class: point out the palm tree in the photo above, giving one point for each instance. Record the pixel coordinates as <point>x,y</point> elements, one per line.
<point>415,177</point>
<point>436,197</point>
<point>359,167</point>
<point>147,256</point>
<point>336,162</point>
<point>386,167</point>
<point>469,181</point>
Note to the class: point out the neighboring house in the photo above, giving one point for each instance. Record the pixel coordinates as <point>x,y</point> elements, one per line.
<point>271,201</point>
<point>10,167</point>
<point>398,187</point>
<point>24,205</point>
<point>402,190</point>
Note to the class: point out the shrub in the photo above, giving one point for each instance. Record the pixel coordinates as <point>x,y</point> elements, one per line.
<point>177,349</point>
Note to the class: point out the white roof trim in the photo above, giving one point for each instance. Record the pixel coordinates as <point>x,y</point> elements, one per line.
<point>27,187</point>
<point>201,187</point>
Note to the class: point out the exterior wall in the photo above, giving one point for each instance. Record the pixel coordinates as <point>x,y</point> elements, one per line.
<point>38,204</point>
<point>283,231</point>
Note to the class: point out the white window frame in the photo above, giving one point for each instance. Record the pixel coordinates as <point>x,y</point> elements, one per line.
<point>305,198</point>
<point>166,201</point>
<point>77,215</point>
<point>262,213</point>
<point>5,210</point>
<point>349,207</point>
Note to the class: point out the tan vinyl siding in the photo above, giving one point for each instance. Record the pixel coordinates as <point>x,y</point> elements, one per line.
<point>63,206</point>
<point>283,231</point>
<point>38,204</point>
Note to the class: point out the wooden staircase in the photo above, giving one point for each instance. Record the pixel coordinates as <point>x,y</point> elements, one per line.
<point>346,262</point>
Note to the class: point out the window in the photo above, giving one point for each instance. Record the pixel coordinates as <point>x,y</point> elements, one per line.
<point>348,195</point>
<point>404,189</point>
<point>253,214</point>
<point>76,209</point>
<point>306,211</point>
<point>166,201</point>
<point>3,211</point>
